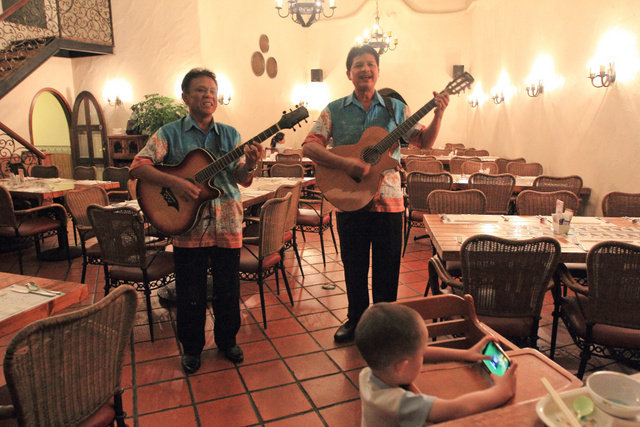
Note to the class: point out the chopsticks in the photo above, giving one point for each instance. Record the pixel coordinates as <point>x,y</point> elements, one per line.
<point>571,419</point>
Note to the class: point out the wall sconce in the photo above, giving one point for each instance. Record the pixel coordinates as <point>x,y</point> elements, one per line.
<point>534,89</point>
<point>116,103</point>
<point>473,101</point>
<point>604,78</point>
<point>116,92</point>
<point>313,10</point>
<point>224,99</point>
<point>497,97</point>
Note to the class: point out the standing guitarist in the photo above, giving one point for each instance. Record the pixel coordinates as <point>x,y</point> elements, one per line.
<point>217,238</point>
<point>377,228</point>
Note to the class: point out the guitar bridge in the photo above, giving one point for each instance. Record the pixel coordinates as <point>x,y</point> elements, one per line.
<point>170,198</point>
<point>370,155</point>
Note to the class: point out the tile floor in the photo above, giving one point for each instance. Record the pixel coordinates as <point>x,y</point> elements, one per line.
<point>293,374</point>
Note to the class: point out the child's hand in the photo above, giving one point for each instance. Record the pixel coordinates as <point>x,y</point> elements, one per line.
<point>474,354</point>
<point>506,382</point>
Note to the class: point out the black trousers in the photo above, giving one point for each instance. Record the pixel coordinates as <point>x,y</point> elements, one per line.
<point>362,234</point>
<point>191,289</point>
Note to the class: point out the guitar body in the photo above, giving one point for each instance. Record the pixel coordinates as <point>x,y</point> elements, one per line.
<point>172,215</point>
<point>340,188</point>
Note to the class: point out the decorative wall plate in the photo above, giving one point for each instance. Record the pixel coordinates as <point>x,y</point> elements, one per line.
<point>257,63</point>
<point>264,43</point>
<point>272,67</point>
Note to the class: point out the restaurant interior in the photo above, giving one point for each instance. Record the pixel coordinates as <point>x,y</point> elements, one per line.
<point>555,83</point>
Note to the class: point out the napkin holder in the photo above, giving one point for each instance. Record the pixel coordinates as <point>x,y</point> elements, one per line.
<point>560,224</point>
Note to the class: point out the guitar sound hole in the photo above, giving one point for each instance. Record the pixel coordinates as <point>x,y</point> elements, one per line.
<point>370,155</point>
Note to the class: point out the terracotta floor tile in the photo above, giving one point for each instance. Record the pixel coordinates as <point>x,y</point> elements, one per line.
<point>314,279</point>
<point>250,333</point>
<point>294,345</point>
<point>231,411</point>
<point>158,370</point>
<point>301,308</point>
<point>175,417</point>
<point>274,312</point>
<point>162,396</point>
<point>284,327</point>
<point>280,401</point>
<point>266,374</point>
<point>258,351</point>
<point>311,365</point>
<point>310,419</point>
<point>317,321</point>
<point>347,358</point>
<point>344,415</point>
<point>325,391</point>
<point>216,385</point>
<point>318,291</point>
<point>159,348</point>
<point>335,301</point>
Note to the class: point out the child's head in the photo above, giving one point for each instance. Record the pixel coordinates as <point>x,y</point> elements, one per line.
<point>392,337</point>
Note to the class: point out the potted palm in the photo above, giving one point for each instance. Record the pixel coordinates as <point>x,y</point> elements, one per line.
<point>154,112</point>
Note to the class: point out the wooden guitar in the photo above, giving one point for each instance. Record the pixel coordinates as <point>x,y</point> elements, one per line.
<point>374,147</point>
<point>174,216</point>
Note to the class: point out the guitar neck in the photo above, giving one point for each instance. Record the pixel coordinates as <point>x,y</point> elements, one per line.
<point>216,167</point>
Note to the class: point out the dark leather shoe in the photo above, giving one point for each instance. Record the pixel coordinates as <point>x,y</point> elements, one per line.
<point>234,354</point>
<point>190,364</point>
<point>346,332</point>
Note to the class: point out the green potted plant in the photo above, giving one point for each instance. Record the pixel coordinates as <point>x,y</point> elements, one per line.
<point>154,112</point>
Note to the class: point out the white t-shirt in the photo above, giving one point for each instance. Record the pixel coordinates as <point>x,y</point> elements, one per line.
<point>384,406</point>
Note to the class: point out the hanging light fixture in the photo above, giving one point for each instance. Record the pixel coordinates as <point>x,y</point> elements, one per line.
<point>312,10</point>
<point>377,38</point>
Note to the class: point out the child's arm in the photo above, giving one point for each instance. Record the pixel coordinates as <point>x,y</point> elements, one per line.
<point>477,401</point>
<point>433,354</point>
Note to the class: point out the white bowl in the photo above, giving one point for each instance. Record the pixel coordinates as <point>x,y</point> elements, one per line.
<point>615,393</point>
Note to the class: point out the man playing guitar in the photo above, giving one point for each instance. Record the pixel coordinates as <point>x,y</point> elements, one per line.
<point>377,227</point>
<point>215,240</point>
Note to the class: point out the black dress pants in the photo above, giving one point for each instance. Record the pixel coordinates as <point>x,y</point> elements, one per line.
<point>191,288</point>
<point>364,234</point>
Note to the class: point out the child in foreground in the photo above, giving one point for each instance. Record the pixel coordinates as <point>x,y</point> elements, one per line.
<point>393,340</point>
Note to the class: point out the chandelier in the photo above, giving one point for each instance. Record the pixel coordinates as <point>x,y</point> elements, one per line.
<point>377,38</point>
<point>312,10</point>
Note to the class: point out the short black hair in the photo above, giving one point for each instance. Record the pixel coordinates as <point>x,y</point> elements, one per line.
<point>361,50</point>
<point>194,74</point>
<point>388,332</point>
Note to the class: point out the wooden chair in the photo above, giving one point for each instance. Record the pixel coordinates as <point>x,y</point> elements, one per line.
<point>602,318</point>
<point>85,172</point>
<point>121,176</point>
<point>458,325</point>
<point>440,151</point>
<point>261,256</point>
<point>455,164</point>
<point>40,171</point>
<point>507,280</point>
<point>471,167</point>
<point>289,159</point>
<point>316,216</point>
<point>419,186</point>
<point>621,204</point>
<point>26,226</point>
<point>496,188</point>
<point>524,169</point>
<point>452,145</point>
<point>426,166</point>
<point>475,152</point>
<point>457,202</point>
<point>77,202</point>
<point>503,162</point>
<point>286,170</point>
<point>531,202</point>
<point>66,369</point>
<point>125,255</point>
<point>549,184</point>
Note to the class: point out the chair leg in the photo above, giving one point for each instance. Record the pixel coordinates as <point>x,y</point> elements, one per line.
<point>294,244</point>
<point>262,302</point>
<point>406,238</point>
<point>324,259</point>
<point>84,270</point>
<point>286,282</point>
<point>555,291</point>
<point>333,236</point>
<point>147,294</point>
<point>117,406</point>
<point>585,354</point>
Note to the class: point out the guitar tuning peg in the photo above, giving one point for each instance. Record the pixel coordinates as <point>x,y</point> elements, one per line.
<point>293,128</point>
<point>284,112</point>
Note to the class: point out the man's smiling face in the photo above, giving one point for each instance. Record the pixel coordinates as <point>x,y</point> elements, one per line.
<point>202,97</point>
<point>364,72</point>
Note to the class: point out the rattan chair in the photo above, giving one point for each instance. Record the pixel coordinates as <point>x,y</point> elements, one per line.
<point>77,202</point>
<point>472,166</point>
<point>602,318</point>
<point>315,215</point>
<point>289,159</point>
<point>419,186</point>
<point>125,255</point>
<point>503,162</point>
<point>474,152</point>
<point>531,202</point>
<point>549,184</point>
<point>261,256</point>
<point>40,171</point>
<point>286,170</point>
<point>65,370</point>
<point>524,169</point>
<point>621,204</point>
<point>121,176</point>
<point>452,145</point>
<point>496,188</point>
<point>85,173</point>
<point>455,164</point>
<point>426,165</point>
<point>440,151</point>
<point>507,279</point>
<point>457,202</point>
<point>20,227</point>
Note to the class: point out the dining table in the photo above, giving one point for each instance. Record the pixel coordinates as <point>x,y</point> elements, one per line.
<point>43,191</point>
<point>20,307</point>
<point>445,160</point>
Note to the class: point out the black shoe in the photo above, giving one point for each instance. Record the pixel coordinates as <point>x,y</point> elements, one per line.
<point>346,332</point>
<point>190,364</point>
<point>234,354</point>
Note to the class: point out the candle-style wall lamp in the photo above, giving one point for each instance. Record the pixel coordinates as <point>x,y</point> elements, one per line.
<point>473,101</point>
<point>604,78</point>
<point>497,97</point>
<point>224,99</point>
<point>534,89</point>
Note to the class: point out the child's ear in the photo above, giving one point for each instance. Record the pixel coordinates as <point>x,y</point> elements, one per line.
<point>400,365</point>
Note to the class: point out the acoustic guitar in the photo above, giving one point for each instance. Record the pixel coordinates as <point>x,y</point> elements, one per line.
<point>374,147</point>
<point>173,215</point>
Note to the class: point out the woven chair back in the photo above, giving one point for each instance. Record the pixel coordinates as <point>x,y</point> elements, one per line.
<point>621,204</point>
<point>77,202</point>
<point>455,164</point>
<point>7,212</point>
<point>85,172</point>
<point>496,188</point>
<point>508,278</point>
<point>292,215</point>
<point>40,171</point>
<point>273,217</point>
<point>427,165</point>
<point>473,166</point>
<point>290,159</point>
<point>530,202</point>
<point>547,183</point>
<point>62,369</point>
<point>524,169</point>
<point>457,202</point>
<point>503,162</point>
<point>440,151</point>
<point>421,184</point>
<point>119,175</point>
<point>287,170</point>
